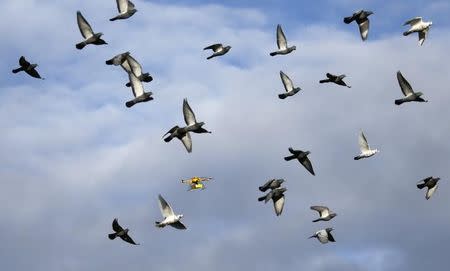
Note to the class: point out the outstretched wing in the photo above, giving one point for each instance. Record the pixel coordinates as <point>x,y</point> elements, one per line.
<point>364,29</point>
<point>422,36</point>
<point>323,210</point>
<point>115,225</point>
<point>122,6</point>
<point>287,82</point>
<point>178,225</point>
<point>84,26</point>
<point>128,239</point>
<point>404,85</point>
<point>130,5</point>
<point>431,191</point>
<point>165,208</point>
<point>215,47</point>
<point>281,38</point>
<point>307,164</point>
<point>187,142</point>
<point>413,21</point>
<point>23,62</point>
<point>363,145</point>
<point>279,205</point>
<point>189,116</point>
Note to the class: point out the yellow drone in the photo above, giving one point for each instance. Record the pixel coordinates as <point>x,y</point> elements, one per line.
<point>196,183</point>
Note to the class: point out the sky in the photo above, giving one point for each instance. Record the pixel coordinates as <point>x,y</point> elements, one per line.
<point>74,157</point>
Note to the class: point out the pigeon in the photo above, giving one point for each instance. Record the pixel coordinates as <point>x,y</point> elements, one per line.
<point>271,184</point>
<point>288,86</point>
<point>170,218</point>
<point>133,66</point>
<point>366,151</point>
<point>302,157</point>
<point>126,10</point>
<point>419,26</point>
<point>118,59</point>
<point>87,33</point>
<point>218,49</point>
<point>337,79</point>
<point>120,232</point>
<point>324,236</point>
<point>27,67</point>
<point>362,19</point>
<point>430,183</point>
<point>324,212</point>
<point>283,48</point>
<point>410,95</point>
<point>183,133</point>
<point>277,196</point>
<point>140,95</point>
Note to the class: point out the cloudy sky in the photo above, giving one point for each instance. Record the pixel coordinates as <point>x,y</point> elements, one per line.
<point>74,157</point>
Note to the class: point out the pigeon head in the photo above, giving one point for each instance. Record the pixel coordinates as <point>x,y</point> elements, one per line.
<point>282,190</point>
<point>307,152</point>
<point>294,48</point>
<point>180,216</point>
<point>369,13</point>
<point>227,48</point>
<point>332,215</point>
<point>418,94</point>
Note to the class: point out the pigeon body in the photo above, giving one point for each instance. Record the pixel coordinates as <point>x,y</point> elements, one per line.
<point>362,19</point>
<point>364,147</point>
<point>288,86</point>
<point>324,236</point>
<point>140,96</point>
<point>431,184</point>
<point>88,34</point>
<point>302,157</point>
<point>27,67</point>
<point>420,27</point>
<point>277,196</point>
<point>271,184</point>
<point>324,213</point>
<point>407,90</point>
<point>121,233</point>
<point>170,218</point>
<point>283,48</point>
<point>218,49</point>
<point>133,66</point>
<point>337,79</point>
<point>183,133</point>
<point>118,59</point>
<point>126,9</point>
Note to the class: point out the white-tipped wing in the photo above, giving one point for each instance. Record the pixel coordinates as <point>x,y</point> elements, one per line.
<point>136,68</point>
<point>279,205</point>
<point>287,82</point>
<point>165,208</point>
<point>281,38</point>
<point>422,36</point>
<point>187,142</point>
<point>83,25</point>
<point>189,116</point>
<point>404,85</point>
<point>363,145</point>
<point>430,191</point>
<point>414,21</point>
<point>136,85</point>
<point>364,29</point>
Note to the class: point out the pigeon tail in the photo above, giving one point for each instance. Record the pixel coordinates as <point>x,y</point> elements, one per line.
<point>159,225</point>
<point>282,96</point>
<point>130,103</point>
<point>273,53</point>
<point>80,45</point>
<point>421,185</point>
<point>263,189</point>
<point>262,198</point>
<point>209,57</point>
<point>113,19</point>
<point>289,158</point>
<point>357,157</point>
<point>406,33</point>
<point>325,81</point>
<point>348,20</point>
<point>146,77</point>
<point>317,220</point>
<point>109,62</point>
<point>17,70</point>
<point>128,84</point>
<point>399,102</point>
<point>112,236</point>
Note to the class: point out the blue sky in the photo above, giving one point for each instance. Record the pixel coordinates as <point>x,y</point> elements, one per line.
<point>74,157</point>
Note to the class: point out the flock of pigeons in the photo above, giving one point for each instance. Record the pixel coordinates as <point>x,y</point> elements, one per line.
<point>136,77</point>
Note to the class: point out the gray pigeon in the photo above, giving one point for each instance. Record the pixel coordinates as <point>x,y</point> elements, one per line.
<point>86,31</point>
<point>324,213</point>
<point>430,183</point>
<point>183,133</point>
<point>218,49</point>
<point>337,79</point>
<point>277,196</point>
<point>120,232</point>
<point>324,236</point>
<point>288,86</point>
<point>362,19</point>
<point>140,95</point>
<point>132,65</point>
<point>126,10</point>
<point>410,95</point>
<point>271,184</point>
<point>118,59</point>
<point>302,157</point>
<point>27,67</point>
<point>283,48</point>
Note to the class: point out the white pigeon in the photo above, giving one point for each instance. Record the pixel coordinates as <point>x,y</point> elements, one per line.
<point>419,26</point>
<point>366,151</point>
<point>170,218</point>
<point>126,10</point>
<point>288,86</point>
<point>88,34</point>
<point>324,236</point>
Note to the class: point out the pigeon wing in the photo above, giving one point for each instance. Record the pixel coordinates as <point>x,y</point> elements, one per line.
<point>307,164</point>
<point>281,38</point>
<point>130,5</point>
<point>23,62</point>
<point>404,85</point>
<point>126,66</point>
<point>84,26</point>
<point>136,85</point>
<point>422,36</point>
<point>278,205</point>
<point>215,47</point>
<point>287,82</point>
<point>413,21</point>
<point>189,116</point>
<point>33,73</point>
<point>115,225</point>
<point>122,6</point>
<point>187,142</point>
<point>363,145</point>
<point>364,29</point>
<point>323,211</point>
<point>330,237</point>
<point>430,191</point>
<point>128,239</point>
<point>178,225</point>
<point>136,68</point>
<point>165,208</point>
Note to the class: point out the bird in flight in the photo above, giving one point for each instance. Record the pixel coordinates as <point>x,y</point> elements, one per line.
<point>27,67</point>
